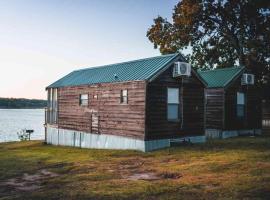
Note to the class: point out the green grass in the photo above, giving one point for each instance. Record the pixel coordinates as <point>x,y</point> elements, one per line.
<point>236,168</point>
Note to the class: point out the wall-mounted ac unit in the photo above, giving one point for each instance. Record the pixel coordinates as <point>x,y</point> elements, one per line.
<point>181,69</point>
<point>248,79</point>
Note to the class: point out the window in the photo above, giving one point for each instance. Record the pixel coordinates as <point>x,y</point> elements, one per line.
<point>83,99</point>
<point>173,104</point>
<point>124,96</point>
<point>240,110</point>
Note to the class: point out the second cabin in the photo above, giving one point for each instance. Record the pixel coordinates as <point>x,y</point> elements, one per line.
<point>232,103</point>
<point>144,104</point>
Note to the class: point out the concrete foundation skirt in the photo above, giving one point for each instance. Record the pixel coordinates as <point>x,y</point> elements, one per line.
<point>63,137</point>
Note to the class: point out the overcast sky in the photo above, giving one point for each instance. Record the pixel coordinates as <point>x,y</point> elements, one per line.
<point>41,41</point>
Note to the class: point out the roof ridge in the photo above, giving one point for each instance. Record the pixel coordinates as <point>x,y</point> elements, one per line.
<point>140,69</point>
<point>221,69</point>
<point>126,62</point>
<point>221,77</point>
<point>235,75</point>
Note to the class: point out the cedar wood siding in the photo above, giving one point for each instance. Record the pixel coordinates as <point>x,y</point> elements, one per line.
<point>266,109</point>
<point>214,108</point>
<point>157,125</point>
<point>266,117</point>
<point>253,107</point>
<point>221,107</point>
<point>114,118</point>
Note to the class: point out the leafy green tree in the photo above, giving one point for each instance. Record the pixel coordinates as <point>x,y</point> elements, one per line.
<point>220,33</point>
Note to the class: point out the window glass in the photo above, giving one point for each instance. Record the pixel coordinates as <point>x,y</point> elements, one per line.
<point>173,95</point>
<point>240,98</point>
<point>84,99</point>
<point>240,108</point>
<point>172,113</point>
<point>124,92</point>
<point>173,104</point>
<point>124,96</point>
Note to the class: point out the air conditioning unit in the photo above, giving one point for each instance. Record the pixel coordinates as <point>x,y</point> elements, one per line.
<point>248,79</point>
<point>181,69</point>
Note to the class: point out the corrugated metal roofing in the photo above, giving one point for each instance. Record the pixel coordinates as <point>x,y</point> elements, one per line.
<point>220,77</point>
<point>142,69</point>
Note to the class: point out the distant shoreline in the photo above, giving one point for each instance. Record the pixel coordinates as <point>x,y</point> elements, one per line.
<point>14,103</point>
<point>20,108</point>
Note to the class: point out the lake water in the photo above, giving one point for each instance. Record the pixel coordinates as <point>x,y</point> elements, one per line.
<point>14,120</point>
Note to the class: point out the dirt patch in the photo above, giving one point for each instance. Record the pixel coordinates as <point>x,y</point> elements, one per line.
<point>131,164</point>
<point>211,186</point>
<point>170,175</point>
<point>151,176</point>
<point>58,165</point>
<point>143,176</point>
<point>135,169</point>
<point>29,182</point>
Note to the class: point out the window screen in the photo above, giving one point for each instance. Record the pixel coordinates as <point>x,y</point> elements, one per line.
<point>173,104</point>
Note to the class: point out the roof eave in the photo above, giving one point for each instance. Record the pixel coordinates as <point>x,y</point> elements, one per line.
<point>179,55</point>
<point>167,65</point>
<point>228,84</point>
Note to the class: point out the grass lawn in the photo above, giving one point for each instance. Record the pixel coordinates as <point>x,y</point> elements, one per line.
<point>236,168</point>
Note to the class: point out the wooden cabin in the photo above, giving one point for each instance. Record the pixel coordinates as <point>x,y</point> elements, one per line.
<point>232,103</point>
<point>137,105</point>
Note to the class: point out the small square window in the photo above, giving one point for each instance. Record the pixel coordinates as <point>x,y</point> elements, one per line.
<point>83,99</point>
<point>124,96</point>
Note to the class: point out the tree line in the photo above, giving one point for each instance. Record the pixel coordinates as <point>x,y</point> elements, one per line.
<point>22,103</point>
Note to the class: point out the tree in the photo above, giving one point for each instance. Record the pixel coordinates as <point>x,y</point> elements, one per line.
<point>220,33</point>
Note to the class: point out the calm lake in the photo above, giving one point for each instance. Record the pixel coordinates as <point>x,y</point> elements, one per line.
<point>14,120</point>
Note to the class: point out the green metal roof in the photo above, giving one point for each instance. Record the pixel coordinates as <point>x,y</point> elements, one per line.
<point>220,77</point>
<point>142,69</point>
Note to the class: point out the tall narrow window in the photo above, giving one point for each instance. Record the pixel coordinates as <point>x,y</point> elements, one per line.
<point>54,103</point>
<point>173,104</point>
<point>52,106</point>
<point>124,96</point>
<point>83,99</point>
<point>240,110</point>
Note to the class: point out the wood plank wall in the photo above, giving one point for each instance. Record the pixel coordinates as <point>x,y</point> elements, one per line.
<point>114,118</point>
<point>266,117</point>
<point>253,114</point>
<point>158,126</point>
<point>214,108</point>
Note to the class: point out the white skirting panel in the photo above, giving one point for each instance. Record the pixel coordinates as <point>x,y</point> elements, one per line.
<point>216,133</point>
<point>88,140</point>
<point>72,138</point>
<point>156,144</point>
<point>229,134</point>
